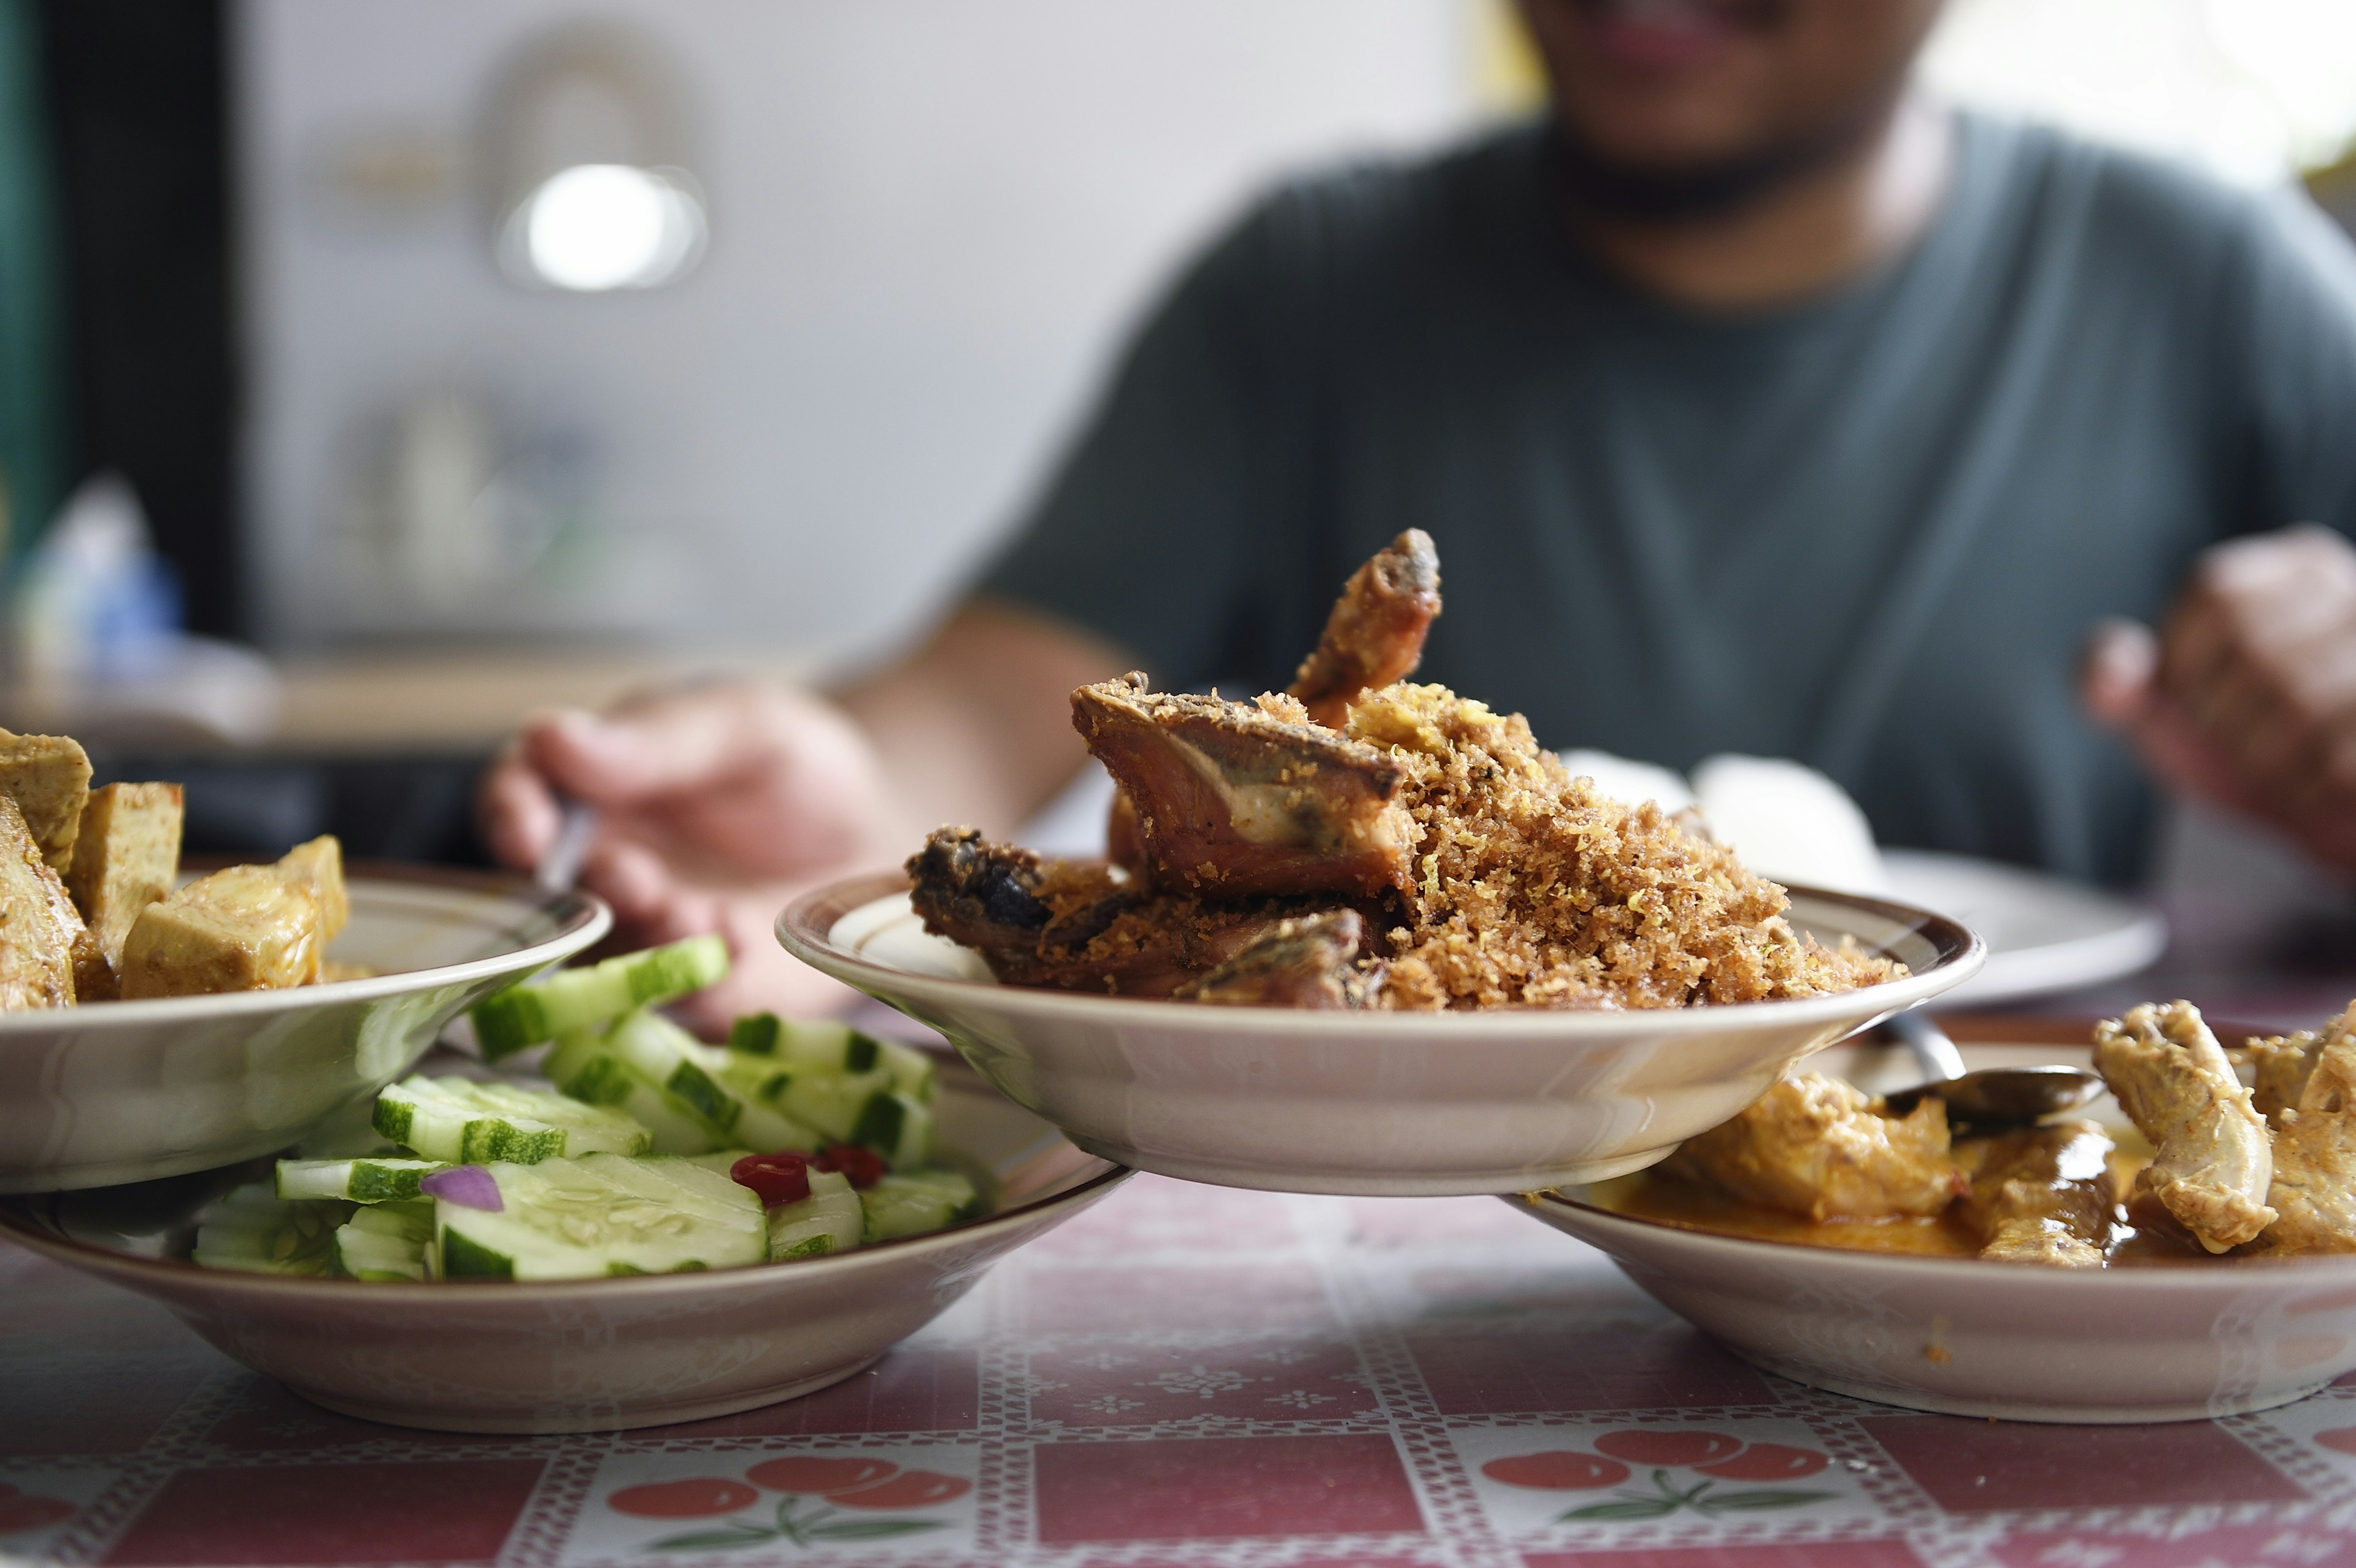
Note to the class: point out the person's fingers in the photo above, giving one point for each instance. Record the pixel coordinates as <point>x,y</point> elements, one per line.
<point>519,816</point>
<point>2119,671</point>
<point>636,882</point>
<point>657,748</point>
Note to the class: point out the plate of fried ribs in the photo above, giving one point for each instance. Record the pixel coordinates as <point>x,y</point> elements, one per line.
<point>1366,935</point>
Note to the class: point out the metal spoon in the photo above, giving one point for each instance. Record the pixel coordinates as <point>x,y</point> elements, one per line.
<point>1993,1096</point>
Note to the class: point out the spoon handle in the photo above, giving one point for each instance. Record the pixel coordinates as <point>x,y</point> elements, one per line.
<point>1919,1032</point>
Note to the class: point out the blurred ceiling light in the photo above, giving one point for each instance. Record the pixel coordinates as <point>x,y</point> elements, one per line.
<point>609,225</point>
<point>586,170</point>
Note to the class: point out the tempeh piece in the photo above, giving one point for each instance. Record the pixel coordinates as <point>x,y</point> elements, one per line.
<point>49,777</point>
<point>127,857</point>
<point>38,923</point>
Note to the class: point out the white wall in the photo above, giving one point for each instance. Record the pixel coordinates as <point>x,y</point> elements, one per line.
<point>930,220</point>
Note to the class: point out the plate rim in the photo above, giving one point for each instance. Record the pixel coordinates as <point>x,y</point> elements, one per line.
<point>801,933</point>
<point>2127,949</point>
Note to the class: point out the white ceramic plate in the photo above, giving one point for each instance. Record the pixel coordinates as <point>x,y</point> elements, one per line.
<point>2044,933</point>
<point>2011,1340</point>
<point>1396,1105</point>
<point>131,1091</point>
<point>587,1355</point>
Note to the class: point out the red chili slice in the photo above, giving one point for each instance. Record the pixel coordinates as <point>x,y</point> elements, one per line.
<point>780,1178</point>
<point>1768,1462</point>
<point>861,1166</point>
<point>1668,1446</point>
<point>690,1498</point>
<point>909,1488</point>
<point>810,1475</point>
<point>1556,1470</point>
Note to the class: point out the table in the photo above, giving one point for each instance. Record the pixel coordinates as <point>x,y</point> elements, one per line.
<point>1184,1377</point>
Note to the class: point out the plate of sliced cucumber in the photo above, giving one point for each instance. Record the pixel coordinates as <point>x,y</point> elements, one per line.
<point>602,1221</point>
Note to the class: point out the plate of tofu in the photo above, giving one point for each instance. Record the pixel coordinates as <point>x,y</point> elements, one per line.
<point>154,1021</point>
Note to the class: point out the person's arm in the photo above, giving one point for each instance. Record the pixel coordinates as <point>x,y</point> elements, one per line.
<point>2245,694</point>
<point>717,804</point>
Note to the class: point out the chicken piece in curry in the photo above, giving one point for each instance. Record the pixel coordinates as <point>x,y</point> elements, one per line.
<point>2244,1152</point>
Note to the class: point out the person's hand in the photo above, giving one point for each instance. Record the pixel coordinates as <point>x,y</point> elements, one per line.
<point>2247,695</point>
<point>716,805</point>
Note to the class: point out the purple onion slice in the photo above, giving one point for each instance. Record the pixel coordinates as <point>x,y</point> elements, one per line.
<point>468,1186</point>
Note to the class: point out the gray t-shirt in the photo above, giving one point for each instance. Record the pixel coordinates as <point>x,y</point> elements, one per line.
<point>1869,530</point>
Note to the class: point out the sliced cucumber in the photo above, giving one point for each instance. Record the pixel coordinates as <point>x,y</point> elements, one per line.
<point>721,1160</point>
<point>253,1230</point>
<point>911,1070</point>
<point>831,1219</point>
<point>507,1021</point>
<point>465,1123</point>
<point>672,1060</point>
<point>913,1204</point>
<point>832,1103</point>
<point>898,1128</point>
<point>757,1083</point>
<point>361,1181</point>
<point>603,1214</point>
<point>586,1070</point>
<point>388,1241</point>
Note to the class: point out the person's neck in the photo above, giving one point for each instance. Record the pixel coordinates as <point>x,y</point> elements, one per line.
<point>1820,228</point>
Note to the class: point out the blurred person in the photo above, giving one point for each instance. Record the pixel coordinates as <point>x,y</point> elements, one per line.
<point>1756,403</point>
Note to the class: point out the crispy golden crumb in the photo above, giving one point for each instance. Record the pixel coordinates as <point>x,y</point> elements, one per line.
<point>1531,889</point>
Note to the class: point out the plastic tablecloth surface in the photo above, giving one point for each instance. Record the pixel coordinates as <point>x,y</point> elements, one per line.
<point>1184,1377</point>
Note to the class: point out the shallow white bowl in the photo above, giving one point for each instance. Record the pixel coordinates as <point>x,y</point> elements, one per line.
<point>2174,1342</point>
<point>1398,1105</point>
<point>587,1355</point>
<point>122,1092</point>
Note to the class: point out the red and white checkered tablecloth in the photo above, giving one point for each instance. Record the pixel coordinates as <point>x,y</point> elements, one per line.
<point>1185,1377</point>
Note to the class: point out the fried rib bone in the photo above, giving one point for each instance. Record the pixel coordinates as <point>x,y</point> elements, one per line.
<point>1375,635</point>
<point>1309,962</point>
<point>2314,1186</point>
<point>2041,1195</point>
<point>1239,799</point>
<point>2215,1163</point>
<point>1815,1146</point>
<point>1075,926</point>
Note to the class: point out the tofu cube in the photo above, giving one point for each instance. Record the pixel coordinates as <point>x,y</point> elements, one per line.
<point>319,865</point>
<point>248,928</point>
<point>127,857</point>
<point>48,778</point>
<point>39,927</point>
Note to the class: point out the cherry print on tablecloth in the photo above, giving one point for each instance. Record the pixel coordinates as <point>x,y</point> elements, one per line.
<point>816,1489</point>
<point>1711,1453</point>
<point>2340,1439</point>
<point>20,1510</point>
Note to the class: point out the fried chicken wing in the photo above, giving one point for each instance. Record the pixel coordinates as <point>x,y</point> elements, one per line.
<point>1308,963</point>
<point>1815,1146</point>
<point>1076,927</point>
<point>2041,1195</point>
<point>2214,1162</point>
<point>1375,635</point>
<point>2314,1187</point>
<point>1236,799</point>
